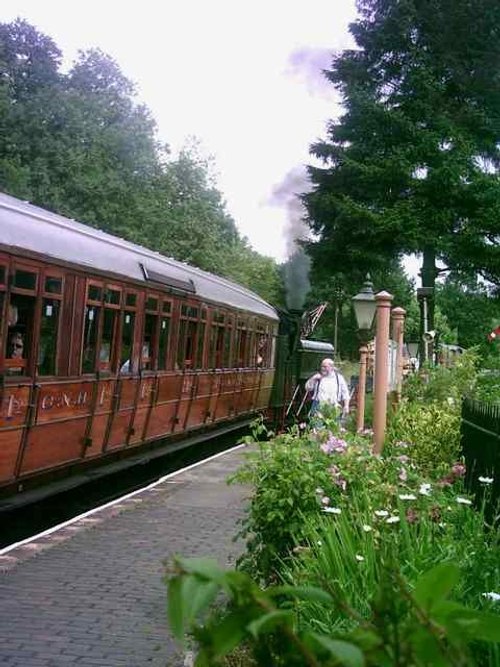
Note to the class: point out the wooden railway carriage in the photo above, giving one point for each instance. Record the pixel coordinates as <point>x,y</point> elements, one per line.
<point>106,346</point>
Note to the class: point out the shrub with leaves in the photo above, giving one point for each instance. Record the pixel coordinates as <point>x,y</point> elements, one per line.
<point>431,430</point>
<point>404,626</point>
<point>441,383</point>
<point>284,473</point>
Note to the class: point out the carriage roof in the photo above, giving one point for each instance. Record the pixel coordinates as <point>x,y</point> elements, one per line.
<point>31,228</point>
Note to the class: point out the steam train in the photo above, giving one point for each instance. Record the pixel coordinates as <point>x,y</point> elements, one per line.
<point>108,349</point>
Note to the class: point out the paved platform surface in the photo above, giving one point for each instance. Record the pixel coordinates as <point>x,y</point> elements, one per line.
<point>93,593</point>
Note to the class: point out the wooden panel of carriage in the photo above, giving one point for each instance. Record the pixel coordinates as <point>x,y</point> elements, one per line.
<point>57,423</point>
<point>48,422</point>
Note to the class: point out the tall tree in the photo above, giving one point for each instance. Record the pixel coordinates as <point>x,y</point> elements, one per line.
<point>413,163</point>
<point>79,144</point>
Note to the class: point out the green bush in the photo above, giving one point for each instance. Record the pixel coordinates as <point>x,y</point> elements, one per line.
<point>284,474</point>
<point>432,431</point>
<point>439,383</point>
<point>405,625</point>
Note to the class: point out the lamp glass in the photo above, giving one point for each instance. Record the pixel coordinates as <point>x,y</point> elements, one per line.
<point>365,306</point>
<point>412,349</point>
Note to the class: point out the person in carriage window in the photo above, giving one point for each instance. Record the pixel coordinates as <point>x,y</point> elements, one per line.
<point>16,346</point>
<point>328,387</point>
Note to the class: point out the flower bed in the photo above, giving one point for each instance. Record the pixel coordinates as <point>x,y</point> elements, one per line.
<point>362,551</point>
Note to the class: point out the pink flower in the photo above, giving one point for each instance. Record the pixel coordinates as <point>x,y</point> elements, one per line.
<point>403,475</point>
<point>341,482</point>
<point>333,444</point>
<point>325,500</point>
<point>403,458</point>
<point>338,480</point>
<point>326,447</point>
<point>446,481</point>
<point>411,516</point>
<point>458,469</point>
<point>403,445</point>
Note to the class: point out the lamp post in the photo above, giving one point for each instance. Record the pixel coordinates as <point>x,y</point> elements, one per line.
<point>383,301</point>
<point>413,352</point>
<point>398,328</point>
<point>365,306</point>
<point>364,309</point>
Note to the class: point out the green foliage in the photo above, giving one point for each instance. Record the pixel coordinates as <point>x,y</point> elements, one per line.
<point>470,309</point>
<point>412,164</point>
<point>440,384</point>
<point>432,432</point>
<point>428,419</point>
<point>79,143</point>
<point>404,627</point>
<point>338,289</point>
<point>284,475</point>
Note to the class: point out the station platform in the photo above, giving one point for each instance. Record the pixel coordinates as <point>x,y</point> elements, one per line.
<point>92,593</point>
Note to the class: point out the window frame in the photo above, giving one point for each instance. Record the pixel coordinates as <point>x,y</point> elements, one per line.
<point>190,312</point>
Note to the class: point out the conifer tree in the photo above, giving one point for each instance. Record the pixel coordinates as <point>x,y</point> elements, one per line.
<point>413,163</point>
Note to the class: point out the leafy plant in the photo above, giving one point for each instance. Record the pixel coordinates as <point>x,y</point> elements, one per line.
<point>420,626</point>
<point>432,431</point>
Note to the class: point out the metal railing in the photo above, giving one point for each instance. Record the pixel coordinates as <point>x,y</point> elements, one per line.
<point>480,438</point>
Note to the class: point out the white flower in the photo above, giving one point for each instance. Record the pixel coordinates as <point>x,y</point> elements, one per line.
<point>319,491</point>
<point>325,500</point>
<point>392,519</point>
<point>407,496</point>
<point>463,501</point>
<point>381,513</point>
<point>492,596</point>
<point>319,543</point>
<point>486,480</point>
<point>442,525</point>
<point>425,490</point>
<point>367,528</point>
<point>359,558</point>
<point>332,510</point>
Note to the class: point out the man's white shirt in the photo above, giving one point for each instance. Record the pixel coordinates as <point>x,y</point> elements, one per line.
<point>330,389</point>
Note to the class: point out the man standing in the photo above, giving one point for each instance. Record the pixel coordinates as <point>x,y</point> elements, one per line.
<point>328,386</point>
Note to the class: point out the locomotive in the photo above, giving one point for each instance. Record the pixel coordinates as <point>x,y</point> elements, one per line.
<point>108,349</point>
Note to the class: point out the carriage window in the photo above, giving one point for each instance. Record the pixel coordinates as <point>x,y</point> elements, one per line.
<point>189,348</point>
<point>112,296</point>
<point>94,293</point>
<point>149,341</point>
<point>48,337</point>
<point>242,349</point>
<point>128,326</point>
<point>167,306</point>
<point>201,340</point>
<point>24,279</point>
<point>131,300</point>
<point>262,350</point>
<point>227,348</point>
<point>53,285</point>
<point>20,319</point>
<point>216,347</point>
<point>163,343</point>
<point>2,275</point>
<point>151,303</point>
<point>92,314</point>
<point>106,350</point>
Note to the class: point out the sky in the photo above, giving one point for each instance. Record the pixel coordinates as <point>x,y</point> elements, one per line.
<point>244,78</point>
